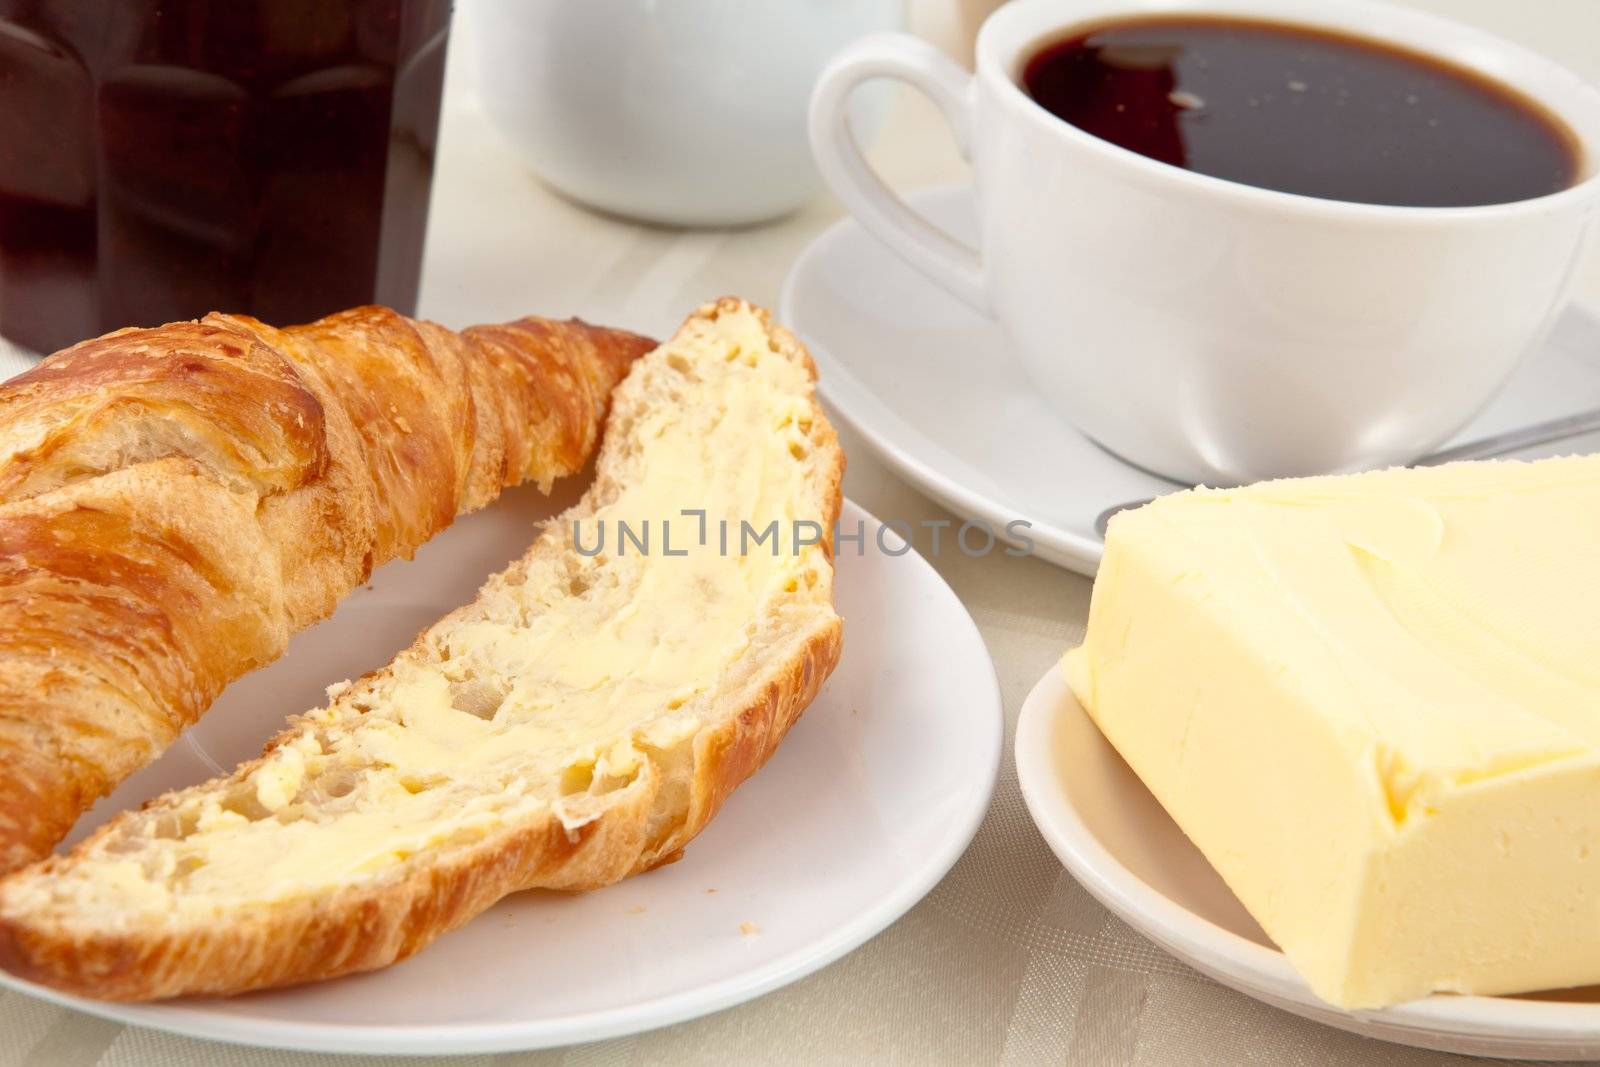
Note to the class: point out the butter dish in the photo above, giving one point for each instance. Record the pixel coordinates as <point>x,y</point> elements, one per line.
<point>1115,839</point>
<point>1373,702</point>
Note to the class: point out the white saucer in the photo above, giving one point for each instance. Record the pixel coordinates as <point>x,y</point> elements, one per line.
<point>933,388</point>
<point>871,799</point>
<point>1116,840</point>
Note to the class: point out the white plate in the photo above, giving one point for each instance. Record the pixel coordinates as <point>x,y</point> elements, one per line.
<point>1115,838</point>
<point>933,388</point>
<point>870,800</point>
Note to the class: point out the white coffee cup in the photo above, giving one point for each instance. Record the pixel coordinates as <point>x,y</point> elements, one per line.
<point>1211,331</point>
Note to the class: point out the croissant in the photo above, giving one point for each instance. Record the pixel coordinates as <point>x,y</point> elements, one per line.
<point>175,502</point>
<point>581,721</point>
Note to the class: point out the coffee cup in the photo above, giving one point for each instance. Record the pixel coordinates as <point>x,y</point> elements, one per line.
<point>1206,329</point>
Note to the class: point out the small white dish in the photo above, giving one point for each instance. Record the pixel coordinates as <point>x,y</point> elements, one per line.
<point>873,796</point>
<point>689,113</point>
<point>1115,839</point>
<point>934,388</point>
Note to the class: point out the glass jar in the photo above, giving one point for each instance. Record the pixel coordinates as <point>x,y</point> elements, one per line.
<point>160,159</point>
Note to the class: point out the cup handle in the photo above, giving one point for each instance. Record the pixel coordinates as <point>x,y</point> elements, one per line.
<point>935,253</point>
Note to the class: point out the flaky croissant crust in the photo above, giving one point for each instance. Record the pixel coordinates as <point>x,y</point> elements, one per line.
<point>175,502</point>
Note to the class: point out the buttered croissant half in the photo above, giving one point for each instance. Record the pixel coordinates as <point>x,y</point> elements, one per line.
<point>577,723</point>
<point>175,502</point>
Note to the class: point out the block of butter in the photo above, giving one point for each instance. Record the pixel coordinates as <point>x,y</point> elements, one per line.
<point>1373,702</point>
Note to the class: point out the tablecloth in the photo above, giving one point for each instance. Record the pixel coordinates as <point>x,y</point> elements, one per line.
<point>1008,960</point>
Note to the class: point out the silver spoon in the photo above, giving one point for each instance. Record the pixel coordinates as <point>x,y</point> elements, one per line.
<point>1540,433</point>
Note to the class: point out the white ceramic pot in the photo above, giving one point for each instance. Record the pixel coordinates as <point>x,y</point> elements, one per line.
<point>684,112</point>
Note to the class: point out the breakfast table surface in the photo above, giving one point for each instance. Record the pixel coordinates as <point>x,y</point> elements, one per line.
<point>1008,959</point>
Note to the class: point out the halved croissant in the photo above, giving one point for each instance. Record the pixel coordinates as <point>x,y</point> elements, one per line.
<point>581,721</point>
<point>175,502</point>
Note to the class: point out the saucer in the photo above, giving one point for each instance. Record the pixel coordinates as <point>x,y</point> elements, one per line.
<point>934,389</point>
<point>1117,840</point>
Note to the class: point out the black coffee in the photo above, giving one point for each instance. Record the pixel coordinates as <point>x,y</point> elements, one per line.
<point>1304,111</point>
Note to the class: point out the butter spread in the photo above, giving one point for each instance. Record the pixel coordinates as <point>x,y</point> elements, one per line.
<point>548,690</point>
<point>1373,702</point>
